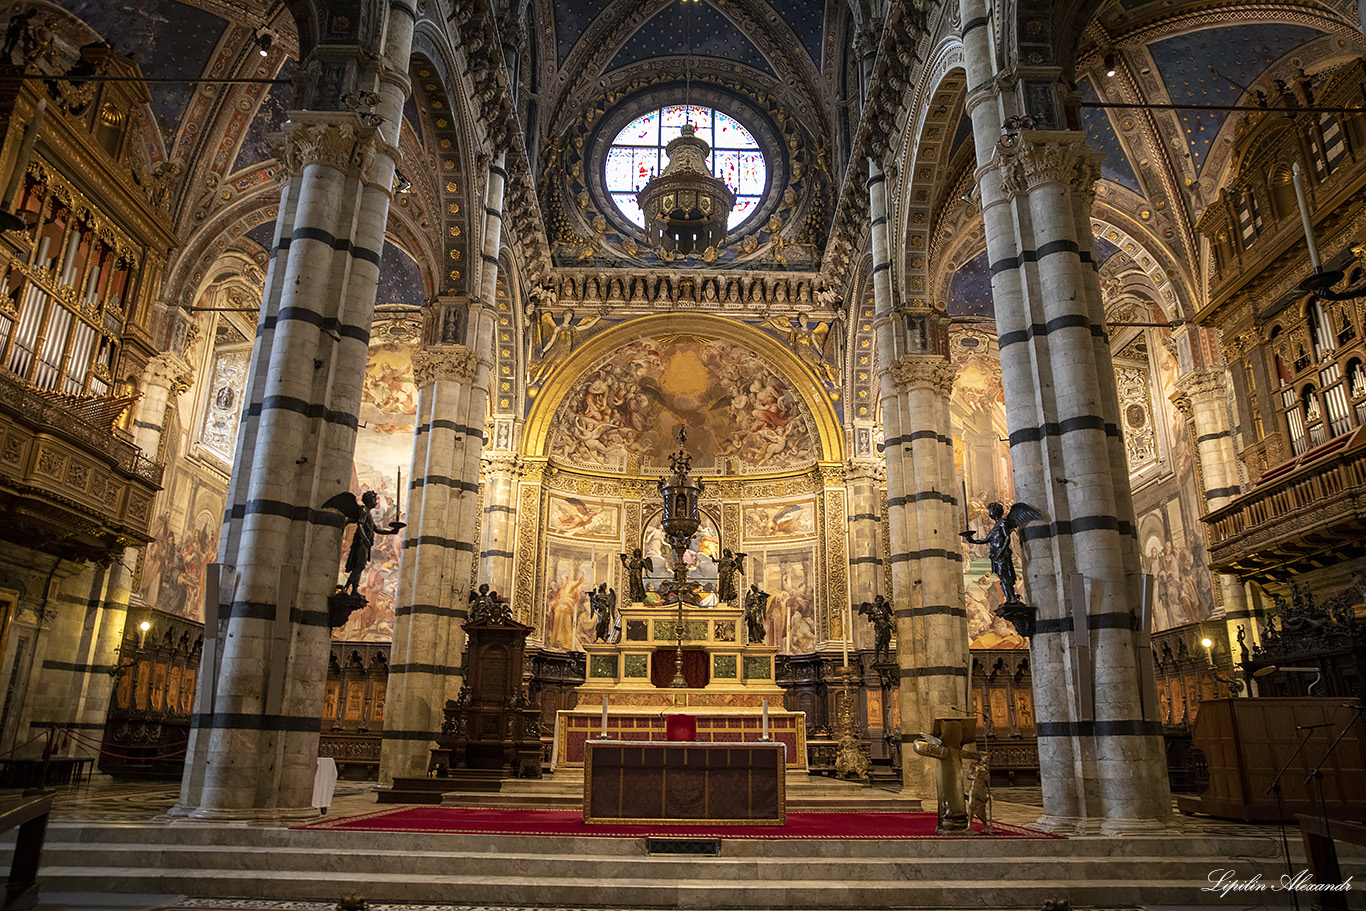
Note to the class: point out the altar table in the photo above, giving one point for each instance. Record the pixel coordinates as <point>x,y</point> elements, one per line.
<point>575,728</point>
<point>684,783</point>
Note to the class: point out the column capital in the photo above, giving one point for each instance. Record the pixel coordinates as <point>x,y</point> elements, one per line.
<point>1033,158</point>
<point>335,139</point>
<point>455,363</point>
<point>865,470</point>
<point>508,466</point>
<point>170,372</point>
<point>930,372</point>
<point>1199,386</point>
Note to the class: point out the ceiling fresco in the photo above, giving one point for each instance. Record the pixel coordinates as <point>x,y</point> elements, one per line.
<point>170,41</point>
<point>680,26</point>
<point>733,405</point>
<point>1101,134</point>
<point>270,118</point>
<point>1242,52</point>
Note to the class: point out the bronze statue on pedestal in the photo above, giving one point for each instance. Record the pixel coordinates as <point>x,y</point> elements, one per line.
<point>756,610</point>
<point>729,564</point>
<point>880,613</point>
<point>1014,610</point>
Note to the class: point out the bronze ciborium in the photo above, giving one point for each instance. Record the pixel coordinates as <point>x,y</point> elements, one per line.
<point>680,493</point>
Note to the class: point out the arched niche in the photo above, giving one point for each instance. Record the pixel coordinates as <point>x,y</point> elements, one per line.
<point>690,370</point>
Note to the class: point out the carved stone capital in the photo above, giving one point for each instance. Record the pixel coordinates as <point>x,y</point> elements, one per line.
<point>337,140</point>
<point>170,372</point>
<point>932,372</point>
<point>864,470</point>
<point>453,364</point>
<point>1199,386</point>
<point>1037,157</point>
<point>510,466</point>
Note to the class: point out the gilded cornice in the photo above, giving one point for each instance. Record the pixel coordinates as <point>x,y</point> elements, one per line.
<point>455,363</point>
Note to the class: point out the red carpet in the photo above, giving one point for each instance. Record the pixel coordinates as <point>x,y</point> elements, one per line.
<point>482,821</point>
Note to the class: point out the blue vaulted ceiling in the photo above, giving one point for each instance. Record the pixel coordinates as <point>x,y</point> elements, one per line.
<point>1100,133</point>
<point>1210,66</point>
<point>170,41</point>
<point>681,25</point>
<point>571,21</point>
<point>807,19</point>
<point>970,289</point>
<point>270,117</point>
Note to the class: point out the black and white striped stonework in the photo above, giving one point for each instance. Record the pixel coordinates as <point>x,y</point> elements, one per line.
<point>253,745</point>
<point>925,560</point>
<point>1101,765</point>
<point>440,549</point>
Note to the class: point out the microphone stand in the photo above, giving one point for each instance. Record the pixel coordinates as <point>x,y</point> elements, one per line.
<point>1275,788</point>
<point>1316,774</point>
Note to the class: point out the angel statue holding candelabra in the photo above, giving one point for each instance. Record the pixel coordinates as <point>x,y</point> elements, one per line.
<point>1014,610</point>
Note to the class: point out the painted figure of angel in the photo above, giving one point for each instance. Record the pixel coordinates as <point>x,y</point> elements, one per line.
<point>363,539</point>
<point>998,542</point>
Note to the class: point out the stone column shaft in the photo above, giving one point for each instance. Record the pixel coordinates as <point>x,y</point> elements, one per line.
<point>254,744</point>
<point>1105,766</point>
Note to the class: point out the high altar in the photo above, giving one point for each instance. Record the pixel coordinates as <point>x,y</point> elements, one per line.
<point>636,674</point>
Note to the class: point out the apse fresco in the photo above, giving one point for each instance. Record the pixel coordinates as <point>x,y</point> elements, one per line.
<point>781,520</point>
<point>733,406</point>
<point>578,518</point>
<point>789,578</point>
<point>572,570</point>
<point>703,551</point>
<point>384,448</point>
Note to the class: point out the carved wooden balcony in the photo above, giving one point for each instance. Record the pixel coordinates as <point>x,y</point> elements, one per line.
<point>69,483</point>
<point>1307,513</point>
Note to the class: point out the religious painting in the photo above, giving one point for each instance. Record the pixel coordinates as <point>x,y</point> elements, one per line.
<point>577,518</point>
<point>384,451</point>
<point>704,550</point>
<point>330,700</point>
<point>187,691</point>
<point>779,520</point>
<point>378,691</point>
<point>174,562</point>
<point>158,694</point>
<point>1024,711</point>
<point>173,689</point>
<point>123,693</point>
<point>735,408</point>
<point>982,596</point>
<point>1171,535</point>
<point>355,701</point>
<point>573,569</point>
<point>789,577</point>
<point>142,685</point>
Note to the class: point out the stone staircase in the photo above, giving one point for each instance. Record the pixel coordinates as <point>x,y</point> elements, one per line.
<point>216,860</point>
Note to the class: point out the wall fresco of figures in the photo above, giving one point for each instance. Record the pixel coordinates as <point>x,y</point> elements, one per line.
<point>198,440</point>
<point>1170,533</point>
<point>583,544</point>
<point>384,447</point>
<point>735,409</point>
<point>779,538</point>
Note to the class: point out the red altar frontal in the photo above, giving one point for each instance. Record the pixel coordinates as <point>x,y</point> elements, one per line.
<point>574,728</point>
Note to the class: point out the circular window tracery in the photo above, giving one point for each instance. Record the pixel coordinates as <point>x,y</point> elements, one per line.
<point>637,153</point>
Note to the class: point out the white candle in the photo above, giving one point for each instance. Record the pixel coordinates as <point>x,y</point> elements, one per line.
<point>765,719</point>
<point>1297,177</point>
<point>604,718</point>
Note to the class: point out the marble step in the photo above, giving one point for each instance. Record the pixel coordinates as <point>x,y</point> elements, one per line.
<point>592,890</point>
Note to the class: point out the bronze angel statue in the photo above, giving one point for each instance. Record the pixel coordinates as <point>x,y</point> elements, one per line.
<point>358,511</point>
<point>998,542</point>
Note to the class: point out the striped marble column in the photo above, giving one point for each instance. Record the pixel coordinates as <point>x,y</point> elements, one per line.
<point>165,378</point>
<point>442,540</point>
<point>501,474</point>
<point>254,736</point>
<point>866,560</point>
<point>1100,747</point>
<point>438,555</point>
<point>925,558</point>
<point>1204,396</point>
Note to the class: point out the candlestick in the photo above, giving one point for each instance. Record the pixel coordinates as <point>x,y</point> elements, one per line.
<point>604,719</point>
<point>398,496</point>
<point>765,719</point>
<point>1298,178</point>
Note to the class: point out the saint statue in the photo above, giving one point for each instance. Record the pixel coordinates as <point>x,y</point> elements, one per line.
<point>363,539</point>
<point>635,574</point>
<point>729,564</point>
<point>998,542</point>
<point>756,609</point>
<point>602,604</point>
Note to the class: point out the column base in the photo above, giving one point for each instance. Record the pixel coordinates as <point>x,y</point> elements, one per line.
<point>1133,826</point>
<point>1067,825</point>
<point>250,816</point>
